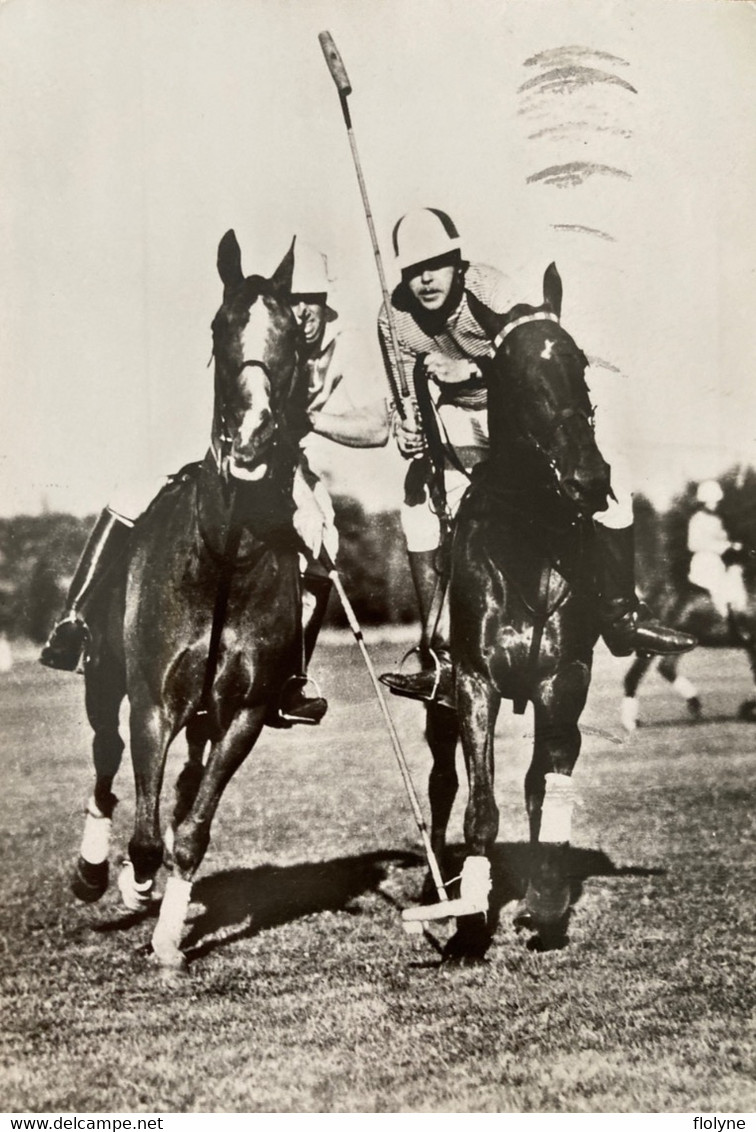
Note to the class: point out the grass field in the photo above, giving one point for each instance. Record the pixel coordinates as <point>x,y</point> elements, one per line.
<point>304,994</point>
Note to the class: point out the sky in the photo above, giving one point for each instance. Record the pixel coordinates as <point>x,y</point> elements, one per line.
<point>618,139</point>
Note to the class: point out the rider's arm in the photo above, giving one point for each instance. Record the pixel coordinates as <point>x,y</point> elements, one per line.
<point>365,426</point>
<point>350,409</point>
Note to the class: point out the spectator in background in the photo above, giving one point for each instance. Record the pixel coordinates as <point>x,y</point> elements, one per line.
<point>715,564</point>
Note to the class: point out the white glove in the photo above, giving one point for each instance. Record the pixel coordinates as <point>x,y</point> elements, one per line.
<point>450,371</point>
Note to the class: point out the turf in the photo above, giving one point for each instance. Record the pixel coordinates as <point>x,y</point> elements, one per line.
<point>303,993</point>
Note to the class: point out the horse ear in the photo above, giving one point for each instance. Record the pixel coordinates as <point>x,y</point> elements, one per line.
<point>281,278</point>
<point>229,261</point>
<point>552,289</point>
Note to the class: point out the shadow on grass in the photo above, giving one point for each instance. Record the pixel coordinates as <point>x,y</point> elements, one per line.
<point>239,903</point>
<point>510,865</point>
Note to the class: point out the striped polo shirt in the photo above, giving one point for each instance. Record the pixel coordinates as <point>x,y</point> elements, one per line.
<point>462,336</point>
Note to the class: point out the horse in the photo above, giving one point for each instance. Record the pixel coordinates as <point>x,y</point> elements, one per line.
<point>201,627</point>
<point>692,610</point>
<point>522,609</point>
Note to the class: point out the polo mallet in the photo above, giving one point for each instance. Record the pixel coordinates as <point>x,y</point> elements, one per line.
<point>475,881</point>
<point>400,392</point>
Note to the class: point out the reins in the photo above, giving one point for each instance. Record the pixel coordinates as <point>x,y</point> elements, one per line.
<point>228,566</point>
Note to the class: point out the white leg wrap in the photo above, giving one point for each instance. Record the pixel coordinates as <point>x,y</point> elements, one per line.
<point>175,904</point>
<point>95,842</point>
<point>629,713</point>
<point>685,687</point>
<point>556,815</point>
<point>135,894</point>
<point>169,837</point>
<point>475,883</point>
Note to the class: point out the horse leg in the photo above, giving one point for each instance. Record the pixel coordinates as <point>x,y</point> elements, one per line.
<point>550,797</point>
<point>477,708</point>
<point>684,687</point>
<point>747,710</point>
<point>193,835</point>
<point>188,781</point>
<point>633,677</point>
<point>104,691</point>
<point>441,732</point>
<point>150,739</point>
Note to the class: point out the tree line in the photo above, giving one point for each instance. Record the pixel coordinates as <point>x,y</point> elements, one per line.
<point>38,555</point>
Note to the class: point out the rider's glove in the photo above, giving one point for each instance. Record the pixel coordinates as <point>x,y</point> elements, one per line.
<point>450,371</point>
<point>410,440</point>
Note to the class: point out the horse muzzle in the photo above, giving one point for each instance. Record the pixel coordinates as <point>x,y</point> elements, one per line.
<point>248,459</point>
<point>588,488</point>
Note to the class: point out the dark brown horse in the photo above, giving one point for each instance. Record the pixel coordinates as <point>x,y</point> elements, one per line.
<point>692,610</point>
<point>201,630</point>
<point>522,610</point>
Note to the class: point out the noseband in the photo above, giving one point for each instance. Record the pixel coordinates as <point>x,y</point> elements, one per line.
<point>222,445</point>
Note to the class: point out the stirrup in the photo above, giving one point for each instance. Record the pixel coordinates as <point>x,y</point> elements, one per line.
<point>317,704</point>
<point>396,681</point>
<point>388,676</point>
<point>62,655</point>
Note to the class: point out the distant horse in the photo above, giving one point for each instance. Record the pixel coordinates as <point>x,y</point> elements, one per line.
<point>522,605</point>
<point>201,631</point>
<point>693,611</point>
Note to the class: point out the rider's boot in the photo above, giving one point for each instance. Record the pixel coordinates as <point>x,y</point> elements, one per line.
<point>435,680</point>
<point>66,645</point>
<point>627,625</point>
<point>295,706</point>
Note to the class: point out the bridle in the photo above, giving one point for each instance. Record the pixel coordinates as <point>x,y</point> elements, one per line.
<point>222,444</point>
<point>541,442</point>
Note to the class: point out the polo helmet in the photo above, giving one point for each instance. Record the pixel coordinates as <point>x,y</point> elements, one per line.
<point>709,493</point>
<point>311,274</point>
<point>422,235</point>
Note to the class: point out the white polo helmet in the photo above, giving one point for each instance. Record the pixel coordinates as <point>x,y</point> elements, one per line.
<point>424,234</point>
<point>311,274</point>
<point>710,493</point>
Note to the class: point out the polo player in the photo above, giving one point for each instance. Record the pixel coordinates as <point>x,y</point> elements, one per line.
<point>440,309</point>
<point>345,404</point>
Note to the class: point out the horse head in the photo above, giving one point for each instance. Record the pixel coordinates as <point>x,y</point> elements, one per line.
<point>259,389</point>
<point>540,412</point>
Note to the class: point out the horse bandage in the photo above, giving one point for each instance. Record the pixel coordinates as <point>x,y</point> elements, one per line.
<point>95,842</point>
<point>475,882</point>
<point>558,803</point>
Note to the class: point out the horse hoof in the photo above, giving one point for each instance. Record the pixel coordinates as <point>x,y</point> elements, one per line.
<point>89,881</point>
<point>523,918</point>
<point>747,711</point>
<point>136,895</point>
<point>169,959</point>
<point>693,704</point>
<point>548,894</point>
<point>547,904</point>
<point>469,944</point>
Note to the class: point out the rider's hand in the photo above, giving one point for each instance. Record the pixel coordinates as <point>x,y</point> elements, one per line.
<point>409,438</point>
<point>450,371</point>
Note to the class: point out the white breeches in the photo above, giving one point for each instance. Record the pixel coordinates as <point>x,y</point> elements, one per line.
<point>420,524</point>
<point>724,583</point>
<point>314,519</point>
